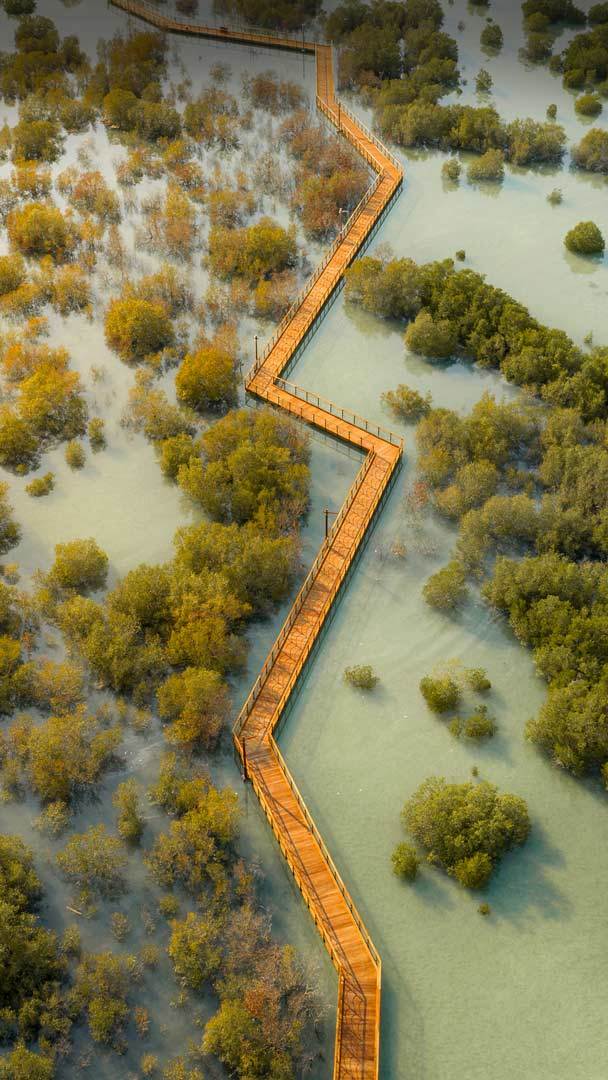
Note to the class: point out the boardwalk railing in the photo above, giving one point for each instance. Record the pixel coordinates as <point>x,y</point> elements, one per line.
<point>165,12</point>
<point>352,418</point>
<point>299,600</point>
<point>312,280</point>
<point>357,1048</point>
<point>321,617</point>
<point>337,113</point>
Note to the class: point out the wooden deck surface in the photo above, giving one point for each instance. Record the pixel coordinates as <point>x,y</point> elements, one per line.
<point>357,1048</point>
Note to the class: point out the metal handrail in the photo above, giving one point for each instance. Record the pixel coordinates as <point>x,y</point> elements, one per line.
<point>300,598</point>
<point>313,894</point>
<point>369,134</point>
<point>312,280</point>
<point>168,12</point>
<point>286,693</point>
<point>329,406</point>
<point>326,855</point>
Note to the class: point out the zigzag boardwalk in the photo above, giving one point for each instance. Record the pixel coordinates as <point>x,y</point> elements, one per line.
<point>357,1051</point>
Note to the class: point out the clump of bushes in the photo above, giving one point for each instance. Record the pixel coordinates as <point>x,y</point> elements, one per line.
<point>441,692</point>
<point>13,273</point>
<point>490,166</point>
<point>406,403</point>
<point>591,153</point>
<point>431,337</point>
<point>585,239</point>
<point>451,170</point>
<point>362,676</point>
<point>174,452</point>
<point>570,725</point>
<point>492,36</point>
<point>405,862</point>
<point>207,378</point>
<point>250,466</point>
<point>588,105</point>
<point>130,823</point>
<point>446,590</point>
<point>41,485</point>
<point>477,680</point>
<point>555,197</point>
<point>75,454</point>
<point>483,81</point>
<point>506,337</point>
<point>255,252</point>
<point>39,229</point>
<point>478,725</point>
<point>585,59</point>
<point>33,968</point>
<point>19,7</point>
<point>79,566</point>
<point>465,828</point>
<point>96,433</point>
<point>48,405</point>
<point>137,329</point>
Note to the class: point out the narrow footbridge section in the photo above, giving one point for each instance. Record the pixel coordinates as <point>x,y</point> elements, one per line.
<point>357,1048</point>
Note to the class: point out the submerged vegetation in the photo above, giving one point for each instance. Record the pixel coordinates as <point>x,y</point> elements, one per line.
<point>405,63</point>
<point>520,480</point>
<point>585,239</point>
<point>465,828</point>
<point>362,677</point>
<point>152,651</point>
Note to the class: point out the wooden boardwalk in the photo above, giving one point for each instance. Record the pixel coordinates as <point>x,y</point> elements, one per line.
<point>357,1047</point>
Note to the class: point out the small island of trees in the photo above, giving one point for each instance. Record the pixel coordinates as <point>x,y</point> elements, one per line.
<point>464,828</point>
<point>585,239</point>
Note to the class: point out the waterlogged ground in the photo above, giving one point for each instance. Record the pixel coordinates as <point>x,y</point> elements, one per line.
<point>122,500</point>
<point>524,992</point>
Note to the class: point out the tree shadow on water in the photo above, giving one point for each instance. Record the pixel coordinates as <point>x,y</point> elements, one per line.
<point>522,887</point>
<point>434,889</point>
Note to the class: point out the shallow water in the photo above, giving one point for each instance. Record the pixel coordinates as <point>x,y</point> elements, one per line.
<point>523,992</point>
<point>121,498</point>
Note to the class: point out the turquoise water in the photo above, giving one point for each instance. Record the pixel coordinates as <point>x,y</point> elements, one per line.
<point>524,992</point>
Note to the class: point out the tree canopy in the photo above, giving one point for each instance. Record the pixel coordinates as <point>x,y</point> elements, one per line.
<point>465,828</point>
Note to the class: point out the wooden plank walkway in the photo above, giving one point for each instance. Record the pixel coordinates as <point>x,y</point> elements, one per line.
<point>357,1048</point>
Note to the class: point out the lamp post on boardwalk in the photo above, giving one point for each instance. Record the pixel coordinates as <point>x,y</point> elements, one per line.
<point>255,338</point>
<point>343,212</point>
<point>245,774</point>
<point>327,512</point>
